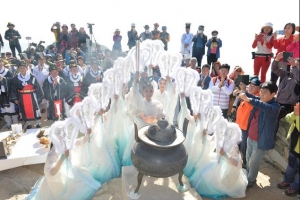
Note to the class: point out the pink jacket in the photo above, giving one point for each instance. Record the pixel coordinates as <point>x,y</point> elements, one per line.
<point>294,47</point>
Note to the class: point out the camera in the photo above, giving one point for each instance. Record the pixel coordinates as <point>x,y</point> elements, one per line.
<point>214,39</point>
<point>33,44</point>
<point>57,23</point>
<point>42,42</point>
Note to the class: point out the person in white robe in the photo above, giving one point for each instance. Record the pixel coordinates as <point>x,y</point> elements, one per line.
<point>187,41</point>
<point>63,180</point>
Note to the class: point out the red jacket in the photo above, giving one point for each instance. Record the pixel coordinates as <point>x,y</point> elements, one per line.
<point>281,44</point>
<point>295,48</point>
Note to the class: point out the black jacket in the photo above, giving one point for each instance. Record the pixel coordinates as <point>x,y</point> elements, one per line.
<point>9,35</point>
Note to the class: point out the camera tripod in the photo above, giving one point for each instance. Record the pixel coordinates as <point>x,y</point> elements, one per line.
<point>90,27</point>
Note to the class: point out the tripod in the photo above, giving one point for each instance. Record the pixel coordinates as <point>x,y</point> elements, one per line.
<point>90,26</point>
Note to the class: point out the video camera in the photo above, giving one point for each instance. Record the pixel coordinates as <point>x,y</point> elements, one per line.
<point>90,27</point>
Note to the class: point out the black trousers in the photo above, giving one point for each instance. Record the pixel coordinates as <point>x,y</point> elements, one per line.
<point>212,58</point>
<point>198,53</point>
<point>13,49</point>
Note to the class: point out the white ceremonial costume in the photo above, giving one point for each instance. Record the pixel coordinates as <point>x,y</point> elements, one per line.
<point>70,182</point>
<point>187,38</point>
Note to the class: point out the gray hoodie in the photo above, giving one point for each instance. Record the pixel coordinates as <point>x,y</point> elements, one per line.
<point>286,93</point>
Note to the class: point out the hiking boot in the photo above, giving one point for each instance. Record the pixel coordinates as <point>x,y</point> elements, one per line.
<point>283,185</point>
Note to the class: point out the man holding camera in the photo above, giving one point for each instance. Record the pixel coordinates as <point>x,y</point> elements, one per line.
<point>199,44</point>
<point>13,37</point>
<point>74,36</point>
<point>56,31</point>
<point>132,36</point>
<point>165,37</point>
<point>213,48</point>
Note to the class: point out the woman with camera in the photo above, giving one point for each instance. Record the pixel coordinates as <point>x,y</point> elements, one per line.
<point>262,57</point>
<point>281,44</point>
<point>213,48</point>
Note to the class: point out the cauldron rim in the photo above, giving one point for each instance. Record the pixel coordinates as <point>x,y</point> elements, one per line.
<point>142,134</point>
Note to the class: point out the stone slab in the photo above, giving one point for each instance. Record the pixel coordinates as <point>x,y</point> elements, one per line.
<point>155,188</point>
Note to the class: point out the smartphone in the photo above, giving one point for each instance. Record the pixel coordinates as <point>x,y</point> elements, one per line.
<point>286,55</point>
<point>244,79</point>
<point>280,32</point>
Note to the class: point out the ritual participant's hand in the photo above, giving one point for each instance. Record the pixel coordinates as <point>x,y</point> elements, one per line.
<point>67,153</point>
<point>182,95</point>
<point>204,132</point>
<point>1,77</point>
<point>186,45</point>
<point>101,112</point>
<point>168,78</point>
<point>116,97</point>
<point>89,131</point>
<point>16,102</point>
<point>222,152</point>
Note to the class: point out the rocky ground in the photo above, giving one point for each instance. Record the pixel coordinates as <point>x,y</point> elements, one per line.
<point>16,183</point>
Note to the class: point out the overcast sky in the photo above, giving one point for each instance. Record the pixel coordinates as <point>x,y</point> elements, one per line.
<point>236,20</point>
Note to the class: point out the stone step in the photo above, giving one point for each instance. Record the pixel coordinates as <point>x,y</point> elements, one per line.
<point>24,177</point>
<point>9,187</point>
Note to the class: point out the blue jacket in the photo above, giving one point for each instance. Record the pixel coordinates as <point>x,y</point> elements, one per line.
<point>218,48</point>
<point>267,121</point>
<point>68,57</point>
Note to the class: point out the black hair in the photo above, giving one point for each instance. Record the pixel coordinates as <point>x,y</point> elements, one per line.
<point>206,65</point>
<point>293,26</point>
<point>271,86</point>
<point>51,145</point>
<point>225,66</point>
<point>271,32</point>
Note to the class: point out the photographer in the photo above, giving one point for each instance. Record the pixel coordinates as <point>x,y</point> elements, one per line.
<point>132,36</point>
<point>213,48</point>
<point>64,40</point>
<point>73,36</point>
<point>82,36</point>
<point>199,40</point>
<point>165,37</point>
<point>117,38</point>
<point>56,31</point>
<point>13,37</point>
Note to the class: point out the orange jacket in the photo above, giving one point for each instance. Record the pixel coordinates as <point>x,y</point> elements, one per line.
<point>243,114</point>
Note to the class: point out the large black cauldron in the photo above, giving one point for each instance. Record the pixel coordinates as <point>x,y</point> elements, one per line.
<point>159,152</point>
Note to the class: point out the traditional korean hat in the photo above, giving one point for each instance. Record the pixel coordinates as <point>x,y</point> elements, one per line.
<point>72,63</point>
<point>187,25</point>
<point>52,66</point>
<point>22,63</point>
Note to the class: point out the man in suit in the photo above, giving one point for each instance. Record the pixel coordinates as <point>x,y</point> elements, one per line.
<point>204,77</point>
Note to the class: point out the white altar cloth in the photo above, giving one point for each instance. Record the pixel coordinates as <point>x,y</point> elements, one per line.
<point>27,151</point>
